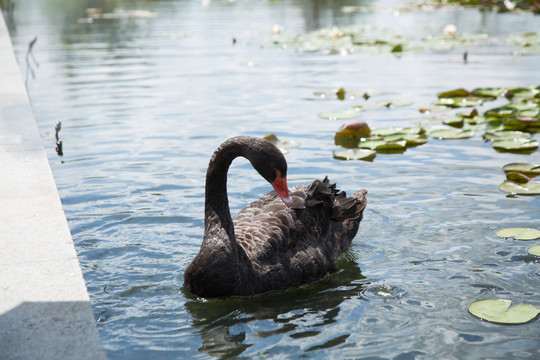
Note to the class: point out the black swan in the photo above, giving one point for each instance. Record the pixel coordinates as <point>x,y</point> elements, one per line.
<point>279,241</point>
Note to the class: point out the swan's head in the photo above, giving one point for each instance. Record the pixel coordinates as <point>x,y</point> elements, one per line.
<point>280,185</point>
<point>269,161</point>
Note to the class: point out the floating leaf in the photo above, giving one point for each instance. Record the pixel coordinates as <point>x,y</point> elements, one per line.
<point>456,122</point>
<point>519,233</point>
<point>371,144</point>
<point>397,49</point>
<point>515,145</point>
<point>499,135</point>
<point>529,188</point>
<point>530,170</point>
<point>393,131</point>
<point>475,120</point>
<point>283,145</point>
<point>411,140</point>
<point>460,102</point>
<point>341,94</point>
<point>383,146</point>
<point>499,311</point>
<point>489,92</point>
<point>355,128</point>
<point>351,134</point>
<point>534,250</point>
<point>518,178</point>
<point>501,112</point>
<point>457,93</point>
<point>355,154</point>
<point>350,113</point>
<point>470,115</point>
<point>440,133</point>
<point>524,92</point>
<point>522,123</point>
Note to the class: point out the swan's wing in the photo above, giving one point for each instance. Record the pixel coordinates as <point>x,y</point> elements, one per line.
<point>267,228</point>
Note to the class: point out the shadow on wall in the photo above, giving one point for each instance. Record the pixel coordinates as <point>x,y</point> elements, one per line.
<point>50,330</point>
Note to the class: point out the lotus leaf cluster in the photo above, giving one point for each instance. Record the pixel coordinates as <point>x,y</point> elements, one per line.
<point>358,135</point>
<point>373,40</point>
<point>519,179</point>
<point>509,128</point>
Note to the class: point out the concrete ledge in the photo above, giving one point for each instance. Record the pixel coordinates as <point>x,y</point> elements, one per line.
<point>45,310</point>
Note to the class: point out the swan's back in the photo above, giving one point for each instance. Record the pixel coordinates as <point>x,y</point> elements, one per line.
<point>291,246</point>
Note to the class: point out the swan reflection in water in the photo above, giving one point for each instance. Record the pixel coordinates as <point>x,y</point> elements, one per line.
<point>230,326</point>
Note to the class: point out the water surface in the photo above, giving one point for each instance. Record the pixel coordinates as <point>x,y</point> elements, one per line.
<point>145,101</point>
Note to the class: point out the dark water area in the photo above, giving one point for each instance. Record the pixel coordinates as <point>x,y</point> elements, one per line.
<point>145,97</point>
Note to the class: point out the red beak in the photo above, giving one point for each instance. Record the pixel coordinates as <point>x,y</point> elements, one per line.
<point>280,185</point>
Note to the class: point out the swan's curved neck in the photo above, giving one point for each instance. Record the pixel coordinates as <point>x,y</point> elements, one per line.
<point>217,212</point>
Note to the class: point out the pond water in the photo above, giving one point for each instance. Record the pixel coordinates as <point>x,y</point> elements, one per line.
<point>145,99</point>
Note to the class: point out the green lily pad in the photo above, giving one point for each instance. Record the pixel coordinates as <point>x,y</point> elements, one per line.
<point>456,122</point>
<point>525,109</point>
<point>518,178</point>
<point>350,113</point>
<point>282,145</point>
<point>499,135</point>
<point>522,123</point>
<point>519,233</point>
<point>351,134</point>
<point>355,154</point>
<point>499,311</point>
<point>355,128</point>
<point>529,188</point>
<point>384,146</point>
<point>475,120</point>
<point>515,145</point>
<point>460,102</point>
<point>489,92</point>
<point>392,131</point>
<point>440,133</point>
<point>531,170</point>
<point>457,93</point>
<point>534,250</point>
<point>524,92</point>
<point>501,112</point>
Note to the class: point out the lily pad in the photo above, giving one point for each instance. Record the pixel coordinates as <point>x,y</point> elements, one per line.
<point>518,178</point>
<point>355,128</point>
<point>519,233</point>
<point>440,133</point>
<point>355,154</point>
<point>457,93</point>
<point>350,113</point>
<point>499,135</point>
<point>524,92</point>
<point>499,311</point>
<point>456,122</point>
<point>460,102</point>
<point>384,146</point>
<point>282,145</point>
<point>392,131</point>
<point>475,120</point>
<point>534,250</point>
<point>411,140</point>
<point>501,112</point>
<point>530,170</point>
<point>515,145</point>
<point>522,123</point>
<point>529,188</point>
<point>489,92</point>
